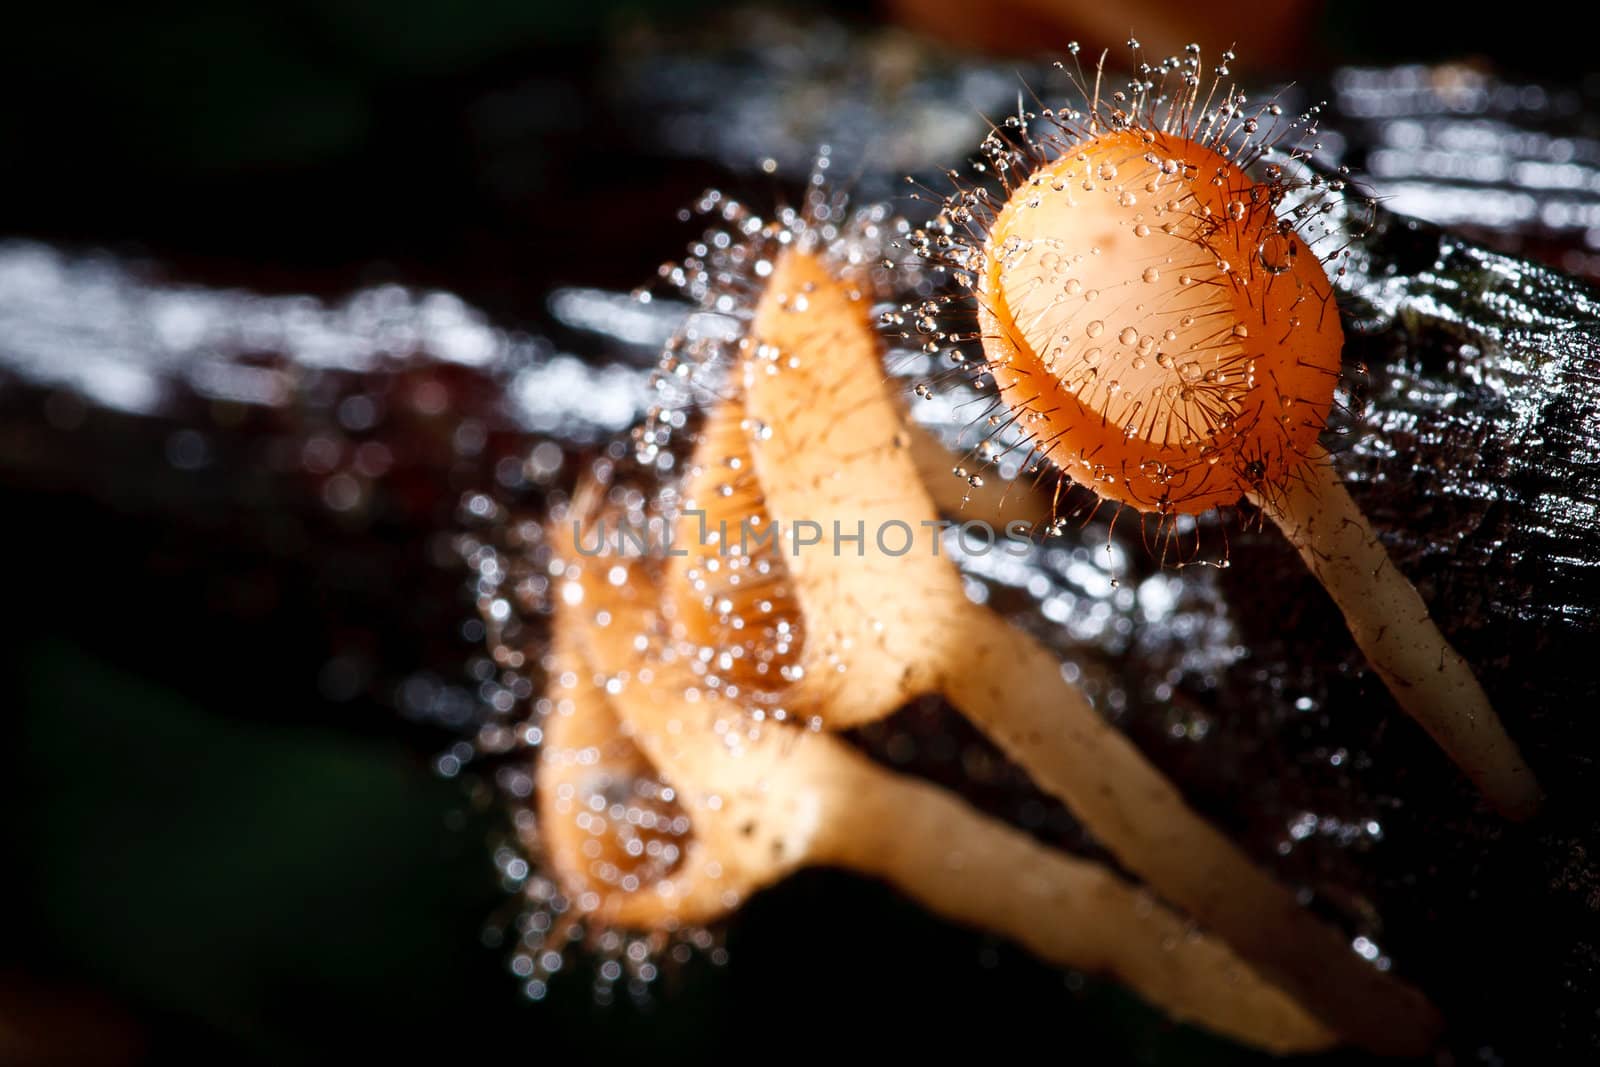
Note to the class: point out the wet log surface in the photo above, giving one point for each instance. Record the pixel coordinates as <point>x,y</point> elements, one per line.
<point>252,499</point>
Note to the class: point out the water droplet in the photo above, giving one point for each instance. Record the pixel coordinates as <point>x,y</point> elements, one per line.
<point>1241,330</point>
<point>1108,171</point>
<point>1277,253</point>
<point>1095,328</point>
<point>1073,287</point>
<point>1141,230</point>
<point>1236,210</point>
<point>1190,371</point>
<point>1128,335</point>
<point>1151,274</point>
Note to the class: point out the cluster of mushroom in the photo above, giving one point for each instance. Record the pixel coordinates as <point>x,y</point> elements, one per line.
<point>1159,335</point>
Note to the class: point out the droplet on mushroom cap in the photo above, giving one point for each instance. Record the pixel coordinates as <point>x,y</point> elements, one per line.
<point>730,587</point>
<point>1167,342</point>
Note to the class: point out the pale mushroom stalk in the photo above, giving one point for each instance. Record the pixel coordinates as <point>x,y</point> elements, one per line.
<point>764,803</point>
<point>1012,688</point>
<point>1392,626</point>
<point>998,502</point>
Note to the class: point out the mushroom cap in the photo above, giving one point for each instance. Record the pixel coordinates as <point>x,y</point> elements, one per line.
<point>1163,337</point>
<point>727,579</point>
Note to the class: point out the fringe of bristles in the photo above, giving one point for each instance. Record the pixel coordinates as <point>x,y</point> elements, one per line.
<point>1170,97</point>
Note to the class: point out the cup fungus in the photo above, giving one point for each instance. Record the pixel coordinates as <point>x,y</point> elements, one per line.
<point>728,669</point>
<point>740,809</point>
<point>1156,320</point>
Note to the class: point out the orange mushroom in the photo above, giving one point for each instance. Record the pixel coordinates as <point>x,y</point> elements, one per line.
<point>1156,319</point>
<point>749,806</point>
<point>727,667</point>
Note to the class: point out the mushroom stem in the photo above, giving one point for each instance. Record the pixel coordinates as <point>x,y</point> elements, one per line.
<point>1068,911</point>
<point>997,501</point>
<point>1392,626</point>
<point>765,803</point>
<point>1012,687</point>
